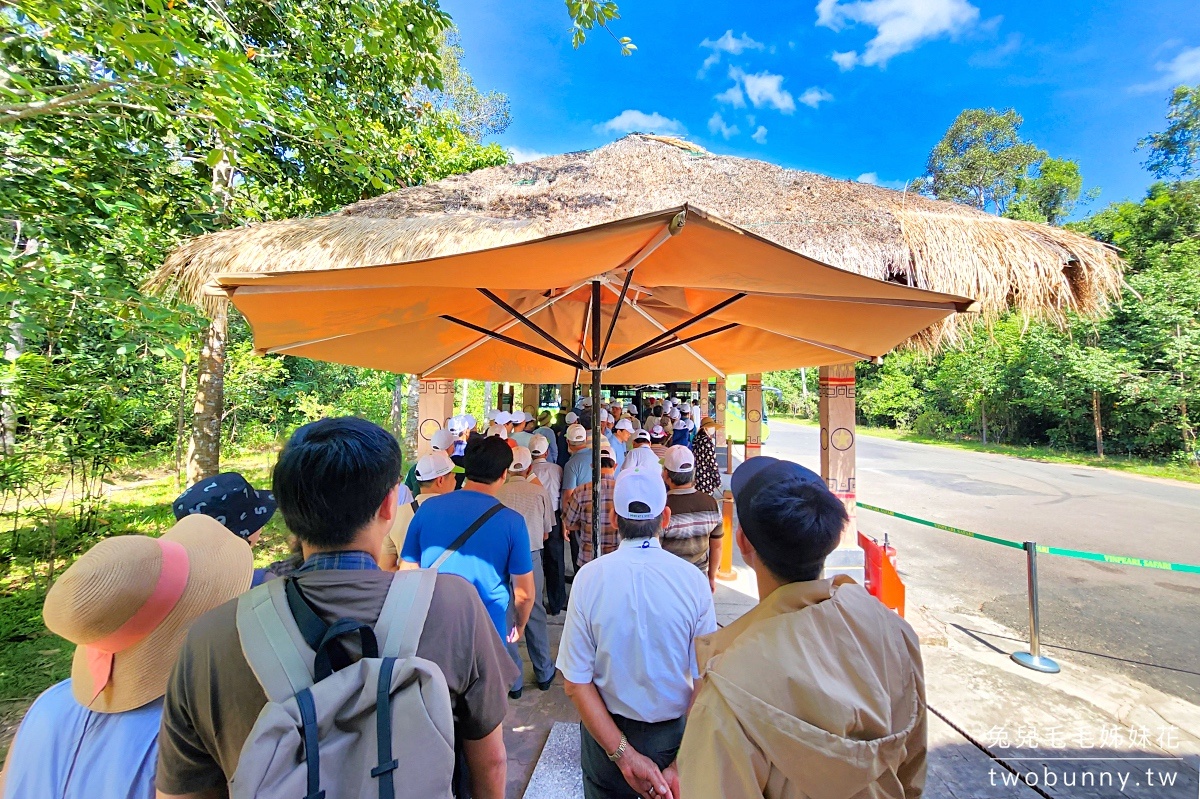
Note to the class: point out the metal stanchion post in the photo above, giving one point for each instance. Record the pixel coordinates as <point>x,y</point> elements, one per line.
<point>1033,658</point>
<point>725,571</point>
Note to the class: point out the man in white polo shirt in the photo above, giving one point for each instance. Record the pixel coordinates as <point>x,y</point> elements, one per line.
<point>627,651</point>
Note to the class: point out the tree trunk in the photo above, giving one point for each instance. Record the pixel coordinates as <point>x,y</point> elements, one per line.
<point>181,423</point>
<point>983,420</point>
<point>1097,422</point>
<point>412,418</point>
<point>488,396</point>
<point>466,385</point>
<point>8,414</point>
<point>396,417</point>
<point>204,450</point>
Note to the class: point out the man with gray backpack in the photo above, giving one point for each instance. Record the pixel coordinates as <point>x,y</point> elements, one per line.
<point>344,680</point>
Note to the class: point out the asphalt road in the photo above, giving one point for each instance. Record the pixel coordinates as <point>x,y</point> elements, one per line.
<point>1136,621</point>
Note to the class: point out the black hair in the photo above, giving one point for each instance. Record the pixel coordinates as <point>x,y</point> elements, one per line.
<point>631,529</point>
<point>607,462</point>
<point>486,460</point>
<point>678,479</point>
<point>331,478</point>
<point>796,525</point>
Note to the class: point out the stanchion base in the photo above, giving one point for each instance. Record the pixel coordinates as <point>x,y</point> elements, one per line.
<point>728,577</point>
<point>1036,662</point>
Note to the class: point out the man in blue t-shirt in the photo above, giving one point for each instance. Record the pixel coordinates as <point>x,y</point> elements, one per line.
<point>497,553</point>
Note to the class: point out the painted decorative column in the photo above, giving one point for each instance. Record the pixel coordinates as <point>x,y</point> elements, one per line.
<point>838,444</point>
<point>435,404</point>
<point>722,439</point>
<point>754,405</point>
<point>530,394</point>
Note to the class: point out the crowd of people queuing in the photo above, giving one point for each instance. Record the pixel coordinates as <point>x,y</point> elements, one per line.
<point>381,657</point>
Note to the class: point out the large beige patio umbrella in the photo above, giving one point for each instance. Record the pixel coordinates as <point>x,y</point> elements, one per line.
<point>659,297</point>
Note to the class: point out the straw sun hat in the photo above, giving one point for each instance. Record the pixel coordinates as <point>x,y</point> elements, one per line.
<point>127,604</point>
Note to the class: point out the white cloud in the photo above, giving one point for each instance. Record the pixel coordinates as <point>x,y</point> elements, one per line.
<point>868,177</point>
<point>1183,68</point>
<point>873,179</point>
<point>845,61</point>
<point>900,25</point>
<point>716,124</point>
<point>765,88</point>
<point>760,135</point>
<point>520,155</point>
<point>733,96</point>
<point>732,45</point>
<point>727,43</point>
<point>631,120</point>
<point>813,96</point>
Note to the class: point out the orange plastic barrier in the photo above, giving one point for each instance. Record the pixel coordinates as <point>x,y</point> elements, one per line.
<point>883,582</point>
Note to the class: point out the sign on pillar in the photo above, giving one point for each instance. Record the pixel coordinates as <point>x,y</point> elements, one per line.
<point>435,404</point>
<point>530,397</point>
<point>754,405</point>
<point>719,410</point>
<point>838,444</point>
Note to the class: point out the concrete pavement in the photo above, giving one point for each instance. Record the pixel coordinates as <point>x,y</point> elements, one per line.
<point>1140,623</point>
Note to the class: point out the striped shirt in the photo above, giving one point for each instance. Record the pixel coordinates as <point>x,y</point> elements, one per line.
<point>577,517</point>
<point>533,503</point>
<point>695,520</point>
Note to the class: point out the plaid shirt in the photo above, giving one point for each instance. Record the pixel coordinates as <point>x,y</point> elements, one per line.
<point>351,560</point>
<point>577,517</point>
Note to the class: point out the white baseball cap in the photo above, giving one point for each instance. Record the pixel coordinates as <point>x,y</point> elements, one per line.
<point>679,459</point>
<point>624,424</point>
<point>606,450</point>
<point>658,431</point>
<point>527,416</point>
<point>618,404</point>
<point>572,417</point>
<point>632,410</point>
<point>642,435</point>
<point>442,440</point>
<point>522,459</point>
<point>497,430</point>
<point>576,434</point>
<point>586,402</point>
<point>471,421</point>
<point>639,494</point>
<point>458,425</point>
<point>642,458</point>
<point>675,413</point>
<point>492,415</point>
<point>539,445</point>
<point>433,466</point>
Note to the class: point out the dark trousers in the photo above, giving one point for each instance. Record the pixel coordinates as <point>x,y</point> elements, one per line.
<point>554,565</point>
<point>575,550</point>
<point>601,777</point>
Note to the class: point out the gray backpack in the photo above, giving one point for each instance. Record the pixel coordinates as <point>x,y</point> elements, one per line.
<point>333,727</point>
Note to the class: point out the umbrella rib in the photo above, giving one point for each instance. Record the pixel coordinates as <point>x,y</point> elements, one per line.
<point>506,326</point>
<point>636,259</point>
<point>523,319</point>
<point>670,345</point>
<point>649,318</point>
<point>832,347</point>
<point>514,342</point>
<point>616,313</point>
<point>681,326</point>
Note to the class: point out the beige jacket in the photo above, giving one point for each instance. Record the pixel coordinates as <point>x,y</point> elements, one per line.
<point>817,693</point>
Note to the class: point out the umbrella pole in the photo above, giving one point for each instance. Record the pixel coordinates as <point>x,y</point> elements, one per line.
<point>596,427</point>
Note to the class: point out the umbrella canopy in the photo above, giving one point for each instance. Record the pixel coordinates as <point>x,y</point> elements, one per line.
<point>691,295</point>
<point>873,231</point>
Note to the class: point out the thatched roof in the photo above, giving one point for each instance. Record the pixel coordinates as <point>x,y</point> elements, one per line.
<point>890,235</point>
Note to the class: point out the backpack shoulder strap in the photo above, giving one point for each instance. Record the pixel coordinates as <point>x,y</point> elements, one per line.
<point>404,610</point>
<point>272,642</point>
<point>470,531</point>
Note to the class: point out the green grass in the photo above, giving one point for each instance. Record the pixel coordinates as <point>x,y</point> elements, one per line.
<point>1123,463</point>
<point>31,657</point>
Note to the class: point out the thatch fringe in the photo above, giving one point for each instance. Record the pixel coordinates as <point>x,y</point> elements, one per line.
<point>889,235</point>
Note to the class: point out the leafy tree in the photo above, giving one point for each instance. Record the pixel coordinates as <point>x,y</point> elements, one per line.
<point>589,14</point>
<point>1050,195</point>
<point>1176,151</point>
<point>981,159</point>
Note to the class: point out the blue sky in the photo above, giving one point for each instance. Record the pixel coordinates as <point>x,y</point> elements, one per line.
<point>858,90</point>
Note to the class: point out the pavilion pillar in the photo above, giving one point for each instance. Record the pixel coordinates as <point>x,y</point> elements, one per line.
<point>838,443</point>
<point>565,395</point>
<point>530,395</point>
<point>435,404</point>
<point>696,391</point>
<point>754,405</point>
<point>722,439</point>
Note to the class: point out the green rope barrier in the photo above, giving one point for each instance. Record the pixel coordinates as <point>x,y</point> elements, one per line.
<point>1120,560</point>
